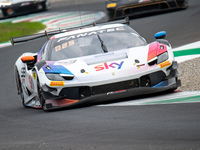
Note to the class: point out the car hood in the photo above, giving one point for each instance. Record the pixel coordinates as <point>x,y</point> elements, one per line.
<point>105,62</point>
<point>108,67</point>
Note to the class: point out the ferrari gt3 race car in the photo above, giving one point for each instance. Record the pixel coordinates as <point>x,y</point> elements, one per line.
<point>10,8</point>
<point>120,8</point>
<point>94,63</point>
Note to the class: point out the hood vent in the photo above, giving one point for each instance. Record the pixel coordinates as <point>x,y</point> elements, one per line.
<point>106,57</point>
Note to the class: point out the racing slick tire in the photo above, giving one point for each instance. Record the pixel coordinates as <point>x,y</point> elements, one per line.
<point>184,5</point>
<point>46,5</point>
<point>19,87</point>
<point>40,96</point>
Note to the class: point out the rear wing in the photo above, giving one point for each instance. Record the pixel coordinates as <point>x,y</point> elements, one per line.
<point>50,33</point>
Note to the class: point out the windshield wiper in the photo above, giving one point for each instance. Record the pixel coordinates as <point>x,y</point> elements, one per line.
<point>102,44</point>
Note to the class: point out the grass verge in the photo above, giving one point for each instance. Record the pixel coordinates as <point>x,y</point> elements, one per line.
<point>9,29</point>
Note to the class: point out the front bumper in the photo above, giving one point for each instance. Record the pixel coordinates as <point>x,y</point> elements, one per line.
<point>172,84</point>
<point>147,84</point>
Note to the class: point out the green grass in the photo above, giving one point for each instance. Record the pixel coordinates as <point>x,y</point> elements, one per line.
<point>9,29</point>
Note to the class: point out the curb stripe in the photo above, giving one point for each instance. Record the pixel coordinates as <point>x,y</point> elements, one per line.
<point>194,51</point>
<point>70,19</point>
<point>172,98</point>
<point>185,99</point>
<point>31,17</point>
<point>57,17</point>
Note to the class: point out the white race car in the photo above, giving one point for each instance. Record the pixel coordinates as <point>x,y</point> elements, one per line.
<point>10,8</point>
<point>99,63</point>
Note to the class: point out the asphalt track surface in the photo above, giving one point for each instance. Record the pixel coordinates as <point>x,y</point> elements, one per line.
<point>150,127</point>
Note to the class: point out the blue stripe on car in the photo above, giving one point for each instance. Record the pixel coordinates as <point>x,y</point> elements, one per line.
<point>51,68</point>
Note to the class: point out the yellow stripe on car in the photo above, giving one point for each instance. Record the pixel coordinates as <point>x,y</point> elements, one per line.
<point>111,5</point>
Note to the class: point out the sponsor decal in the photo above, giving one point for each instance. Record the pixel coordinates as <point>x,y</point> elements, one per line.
<point>31,82</point>
<point>64,45</point>
<point>113,92</point>
<point>108,66</point>
<point>34,75</point>
<point>23,72</point>
<point>57,83</point>
<point>165,64</point>
<point>91,33</point>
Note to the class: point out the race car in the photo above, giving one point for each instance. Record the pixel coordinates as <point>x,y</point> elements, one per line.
<point>10,8</point>
<point>94,64</point>
<point>117,9</point>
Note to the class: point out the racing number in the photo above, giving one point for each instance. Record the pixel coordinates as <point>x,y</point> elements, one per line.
<point>71,42</point>
<point>64,45</point>
<point>57,48</point>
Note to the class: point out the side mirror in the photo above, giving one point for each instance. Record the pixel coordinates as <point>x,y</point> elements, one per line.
<point>28,59</point>
<point>160,35</point>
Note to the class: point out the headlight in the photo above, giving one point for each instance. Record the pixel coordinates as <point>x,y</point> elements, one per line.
<point>55,77</point>
<point>158,59</point>
<point>60,77</point>
<point>163,57</point>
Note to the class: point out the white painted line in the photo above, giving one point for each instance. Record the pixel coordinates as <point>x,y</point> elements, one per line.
<point>185,58</point>
<point>188,46</point>
<point>5,44</point>
<point>160,99</point>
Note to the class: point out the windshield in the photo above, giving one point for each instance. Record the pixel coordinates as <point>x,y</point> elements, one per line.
<point>96,42</point>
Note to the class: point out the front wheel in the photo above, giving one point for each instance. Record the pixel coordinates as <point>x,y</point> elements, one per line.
<point>47,5</point>
<point>19,87</point>
<point>40,96</point>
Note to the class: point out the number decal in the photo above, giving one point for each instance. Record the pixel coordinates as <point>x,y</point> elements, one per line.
<point>64,45</point>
